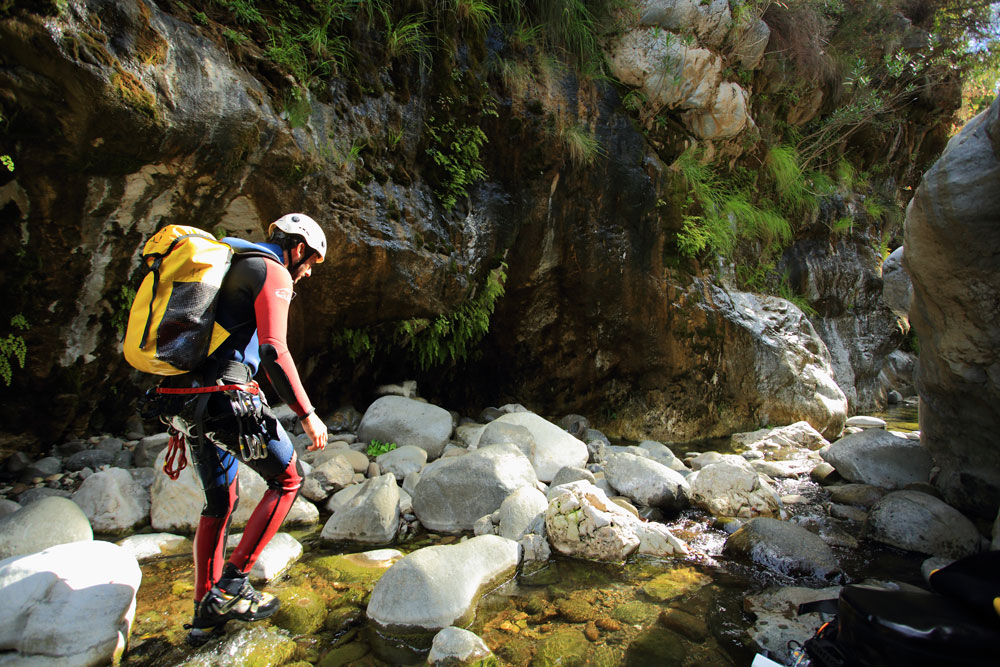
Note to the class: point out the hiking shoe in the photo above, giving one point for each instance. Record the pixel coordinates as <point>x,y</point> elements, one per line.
<point>233,599</point>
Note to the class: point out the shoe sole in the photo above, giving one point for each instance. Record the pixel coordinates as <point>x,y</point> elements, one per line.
<point>198,637</point>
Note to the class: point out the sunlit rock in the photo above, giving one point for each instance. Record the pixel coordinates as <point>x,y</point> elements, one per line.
<point>876,457</point>
<point>113,501</point>
<point>370,516</point>
<point>71,604</point>
<point>725,489</point>
<point>453,647</point>
<point>436,587</point>
<point>43,524</point>
<point>952,241</point>
<point>647,482</point>
<point>405,421</point>
<point>552,448</point>
<point>920,522</point>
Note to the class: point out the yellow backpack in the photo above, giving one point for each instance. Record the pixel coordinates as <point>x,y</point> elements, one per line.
<point>171,326</point>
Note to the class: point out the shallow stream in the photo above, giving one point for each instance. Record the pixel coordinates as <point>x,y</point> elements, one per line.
<point>665,612</point>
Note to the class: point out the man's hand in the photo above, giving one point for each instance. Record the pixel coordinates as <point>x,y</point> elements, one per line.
<point>316,430</point>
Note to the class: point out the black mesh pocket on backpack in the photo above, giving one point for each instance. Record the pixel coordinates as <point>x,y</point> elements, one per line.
<point>185,331</point>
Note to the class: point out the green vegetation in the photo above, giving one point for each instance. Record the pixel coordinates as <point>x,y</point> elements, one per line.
<point>456,147</point>
<point>13,348</point>
<point>120,307</point>
<point>377,447</point>
<point>447,338</point>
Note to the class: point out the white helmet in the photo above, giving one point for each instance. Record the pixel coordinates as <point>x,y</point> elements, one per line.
<point>302,225</point>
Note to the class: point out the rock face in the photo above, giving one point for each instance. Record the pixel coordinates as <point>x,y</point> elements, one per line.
<point>71,604</point>
<point>952,239</point>
<point>439,586</point>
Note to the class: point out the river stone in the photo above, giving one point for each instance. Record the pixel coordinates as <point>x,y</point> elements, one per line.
<point>858,495</point>
<point>499,432</point>
<point>150,546</point>
<point>454,647</point>
<point>662,454</point>
<point>113,501</point>
<point>454,493</point>
<point>552,447</point>
<point>647,482</point>
<point>405,421</point>
<point>569,474</point>
<point>89,458</point>
<point>864,421</point>
<point>469,434</point>
<point>800,435</point>
<point>402,461</point>
<point>176,504</point>
<point>43,467</point>
<point>952,241</point>
<point>708,458</point>
<point>519,510</point>
<point>876,457</point>
<point>280,554</point>
<point>439,586</point>
<point>252,645</point>
<point>71,604</point>
<point>725,489</point>
<point>582,522</point>
<point>371,516</point>
<point>8,507</point>
<point>783,547</point>
<point>920,522</point>
<point>778,620</point>
<point>327,477</point>
<point>39,492</point>
<point>42,524</point>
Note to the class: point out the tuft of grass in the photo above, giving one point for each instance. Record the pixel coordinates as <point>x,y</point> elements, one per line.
<point>583,148</point>
<point>789,180</point>
<point>408,38</point>
<point>842,225</point>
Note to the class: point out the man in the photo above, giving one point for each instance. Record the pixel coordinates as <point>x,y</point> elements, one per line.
<point>253,306</point>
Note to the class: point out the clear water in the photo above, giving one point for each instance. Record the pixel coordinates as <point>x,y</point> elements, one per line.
<point>644,612</point>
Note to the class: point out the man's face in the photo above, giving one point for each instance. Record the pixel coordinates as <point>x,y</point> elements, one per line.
<point>304,270</point>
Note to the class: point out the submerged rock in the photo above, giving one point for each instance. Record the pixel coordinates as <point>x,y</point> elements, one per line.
<point>455,647</point>
<point>783,547</point>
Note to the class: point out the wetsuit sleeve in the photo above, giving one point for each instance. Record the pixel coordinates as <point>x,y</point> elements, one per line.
<point>271,308</point>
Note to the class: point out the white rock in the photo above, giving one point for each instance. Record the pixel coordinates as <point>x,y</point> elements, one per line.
<point>862,421</point>
<point>71,604</point>
<point>553,449</point>
<point>519,510</point>
<point>112,501</point>
<point>280,554</point>
<point>370,516</point>
<point>920,522</point>
<point>150,546</point>
<point>647,482</point>
<point>453,646</point>
<point>724,489</point>
<point>439,586</point>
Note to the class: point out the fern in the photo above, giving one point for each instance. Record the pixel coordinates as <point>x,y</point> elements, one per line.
<point>13,348</point>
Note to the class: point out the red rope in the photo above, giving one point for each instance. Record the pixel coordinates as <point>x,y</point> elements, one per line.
<point>175,450</point>
<point>252,388</point>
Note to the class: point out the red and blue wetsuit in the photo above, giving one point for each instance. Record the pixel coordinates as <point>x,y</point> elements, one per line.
<point>253,307</point>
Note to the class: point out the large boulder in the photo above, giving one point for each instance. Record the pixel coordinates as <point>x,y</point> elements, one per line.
<point>879,458</point>
<point>43,524</point>
<point>454,493</point>
<point>783,366</point>
<point>71,604</point>
<point>582,522</point>
<point>113,501</point>
<point>897,288</point>
<point>370,516</point>
<point>647,482</point>
<point>920,522</point>
<point>405,421</point>
<point>952,240</point>
<point>784,548</point>
<point>519,510</point>
<point>730,490</point>
<point>552,449</point>
<point>436,587</point>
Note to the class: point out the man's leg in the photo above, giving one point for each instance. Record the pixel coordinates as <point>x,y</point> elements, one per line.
<point>280,468</point>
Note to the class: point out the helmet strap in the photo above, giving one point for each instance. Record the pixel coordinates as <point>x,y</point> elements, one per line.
<point>309,252</point>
